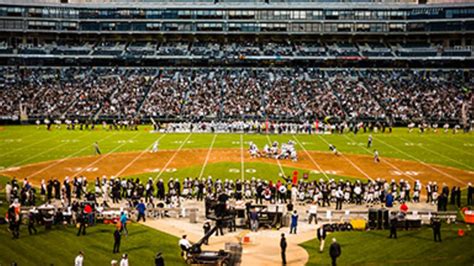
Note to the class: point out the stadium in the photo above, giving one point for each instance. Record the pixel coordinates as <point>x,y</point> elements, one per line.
<point>236,132</point>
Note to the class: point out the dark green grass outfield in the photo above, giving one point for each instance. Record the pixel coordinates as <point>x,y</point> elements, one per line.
<point>21,145</point>
<point>411,248</point>
<point>59,246</point>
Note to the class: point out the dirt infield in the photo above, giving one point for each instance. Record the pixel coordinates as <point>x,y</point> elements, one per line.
<point>357,166</point>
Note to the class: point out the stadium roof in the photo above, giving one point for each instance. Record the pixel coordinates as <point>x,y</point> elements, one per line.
<point>239,4</point>
<point>242,2</point>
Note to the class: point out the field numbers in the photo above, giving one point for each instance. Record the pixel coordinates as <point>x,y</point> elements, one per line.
<point>248,170</point>
<point>69,140</point>
<point>410,144</point>
<point>329,172</point>
<point>12,168</point>
<point>356,144</point>
<point>236,142</point>
<point>409,173</point>
<point>12,140</point>
<point>82,169</point>
<point>468,144</point>
<point>168,170</point>
<point>123,141</point>
<point>181,142</point>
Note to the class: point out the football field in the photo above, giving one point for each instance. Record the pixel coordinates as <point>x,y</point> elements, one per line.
<point>36,154</point>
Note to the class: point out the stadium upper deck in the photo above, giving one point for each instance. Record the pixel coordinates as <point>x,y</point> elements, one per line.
<point>338,33</point>
<point>237,18</point>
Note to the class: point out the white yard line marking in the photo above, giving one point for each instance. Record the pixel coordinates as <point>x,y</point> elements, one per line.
<point>207,156</point>
<point>420,161</point>
<point>242,157</point>
<point>439,154</point>
<point>104,156</point>
<point>138,156</point>
<point>46,151</point>
<point>350,162</point>
<point>67,157</point>
<point>451,147</point>
<point>278,161</point>
<point>384,161</point>
<point>29,145</point>
<point>311,158</point>
<point>171,159</point>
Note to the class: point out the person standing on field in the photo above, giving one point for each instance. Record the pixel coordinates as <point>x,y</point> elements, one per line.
<point>376,156</point>
<point>117,239</point>
<point>79,260</point>
<point>334,251</point>
<point>283,245</point>
<point>321,237</point>
<point>155,146</point>
<point>96,148</point>
<point>294,222</point>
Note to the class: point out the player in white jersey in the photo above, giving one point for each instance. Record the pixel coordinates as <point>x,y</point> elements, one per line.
<point>376,156</point>
<point>446,128</point>
<point>155,146</point>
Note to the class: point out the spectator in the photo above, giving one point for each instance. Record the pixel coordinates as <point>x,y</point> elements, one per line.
<point>141,208</point>
<point>117,239</point>
<point>294,222</point>
<point>334,251</point>
<point>79,260</point>
<point>124,260</point>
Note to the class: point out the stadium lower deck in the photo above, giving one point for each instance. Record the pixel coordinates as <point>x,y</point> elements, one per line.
<point>283,94</point>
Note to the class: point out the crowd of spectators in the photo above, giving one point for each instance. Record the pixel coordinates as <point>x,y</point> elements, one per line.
<point>236,93</point>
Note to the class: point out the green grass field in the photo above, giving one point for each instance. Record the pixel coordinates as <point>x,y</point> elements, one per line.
<point>411,248</point>
<point>60,246</point>
<point>22,145</point>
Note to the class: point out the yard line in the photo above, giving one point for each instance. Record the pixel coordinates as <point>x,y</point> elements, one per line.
<point>242,157</point>
<point>104,156</point>
<point>207,156</point>
<point>438,154</point>
<point>384,161</point>
<point>311,158</point>
<point>420,161</point>
<point>138,156</point>
<point>46,151</point>
<point>171,159</point>
<point>29,145</point>
<point>350,161</point>
<point>67,157</point>
<point>278,161</point>
<point>451,147</point>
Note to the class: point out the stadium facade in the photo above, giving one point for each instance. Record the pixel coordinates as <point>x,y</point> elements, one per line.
<point>338,32</point>
<point>237,60</point>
